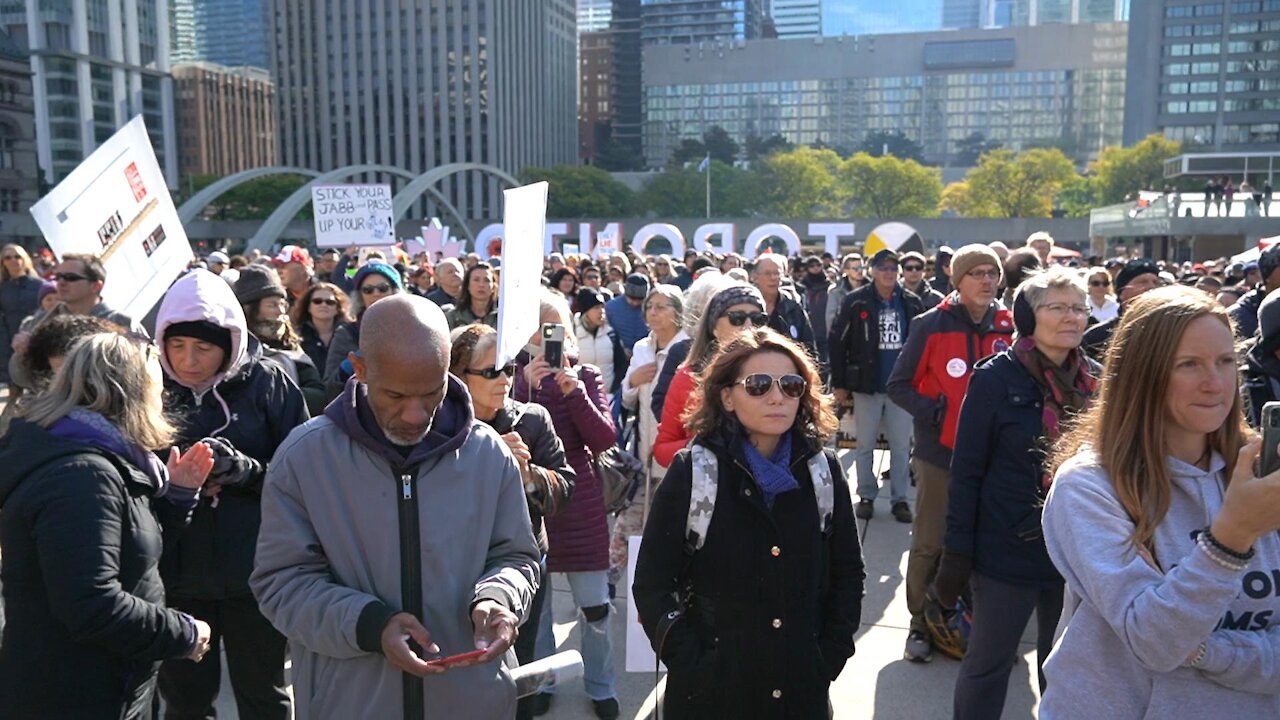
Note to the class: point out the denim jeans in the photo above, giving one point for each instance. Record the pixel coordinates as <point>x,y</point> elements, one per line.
<point>590,589</point>
<point>872,414</point>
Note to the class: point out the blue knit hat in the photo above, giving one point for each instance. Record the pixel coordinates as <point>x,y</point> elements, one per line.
<point>382,269</point>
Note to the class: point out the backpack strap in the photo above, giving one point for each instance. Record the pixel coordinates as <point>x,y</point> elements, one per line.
<point>702,497</point>
<point>823,489</point>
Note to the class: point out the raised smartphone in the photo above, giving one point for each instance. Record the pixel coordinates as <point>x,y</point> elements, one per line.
<point>553,345</point>
<point>455,659</point>
<point>1270,460</point>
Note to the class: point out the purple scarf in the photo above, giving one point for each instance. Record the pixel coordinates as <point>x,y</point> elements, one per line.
<point>1067,389</point>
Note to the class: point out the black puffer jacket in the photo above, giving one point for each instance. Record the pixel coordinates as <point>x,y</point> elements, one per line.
<point>776,607</point>
<point>554,490</point>
<point>1260,381</point>
<point>214,556</point>
<point>82,593</point>
<point>791,320</point>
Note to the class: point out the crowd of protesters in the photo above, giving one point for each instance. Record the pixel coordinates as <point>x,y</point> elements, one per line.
<point>318,458</point>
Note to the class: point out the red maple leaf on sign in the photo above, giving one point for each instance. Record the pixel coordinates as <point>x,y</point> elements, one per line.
<point>135,182</point>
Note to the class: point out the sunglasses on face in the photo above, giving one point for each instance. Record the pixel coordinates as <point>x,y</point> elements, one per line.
<point>69,277</point>
<point>494,373</point>
<point>1099,283</point>
<point>324,301</point>
<point>382,289</point>
<point>913,268</point>
<point>738,318</point>
<point>853,267</point>
<point>759,384</point>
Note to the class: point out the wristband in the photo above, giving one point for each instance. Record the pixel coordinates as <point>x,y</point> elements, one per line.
<point>1227,562</point>
<point>1241,556</point>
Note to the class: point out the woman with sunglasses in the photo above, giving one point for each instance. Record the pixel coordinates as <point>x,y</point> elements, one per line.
<point>729,312</point>
<point>373,281</point>
<point>322,309</point>
<point>529,433</point>
<point>1102,304</point>
<point>478,302</point>
<point>769,605</point>
<point>19,297</point>
<point>86,502</point>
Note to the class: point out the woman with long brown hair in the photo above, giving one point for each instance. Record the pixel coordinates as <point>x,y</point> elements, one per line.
<point>1163,533</point>
<point>317,314</point>
<point>769,604</point>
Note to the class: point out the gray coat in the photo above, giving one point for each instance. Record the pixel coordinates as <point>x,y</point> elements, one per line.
<point>329,569</point>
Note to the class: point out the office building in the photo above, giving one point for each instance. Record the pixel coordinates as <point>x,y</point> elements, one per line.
<point>95,65</point>
<point>1059,85</point>
<point>19,174</point>
<point>232,33</point>
<point>1018,13</point>
<point>872,17</point>
<point>627,108</point>
<point>1206,74</point>
<point>797,18</point>
<point>595,92</point>
<point>424,83</point>
<point>594,15</point>
<point>673,22</point>
<point>226,118</point>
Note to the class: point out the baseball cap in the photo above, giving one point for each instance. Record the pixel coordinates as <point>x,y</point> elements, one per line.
<point>883,255</point>
<point>292,254</point>
<point>217,256</point>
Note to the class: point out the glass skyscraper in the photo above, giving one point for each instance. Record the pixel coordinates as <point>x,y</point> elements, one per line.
<point>673,22</point>
<point>797,18</point>
<point>233,33</point>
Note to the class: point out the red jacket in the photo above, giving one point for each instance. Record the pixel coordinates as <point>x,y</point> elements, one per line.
<point>672,435</point>
<point>932,373</point>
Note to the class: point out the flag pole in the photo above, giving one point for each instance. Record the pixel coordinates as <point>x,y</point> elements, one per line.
<point>708,161</point>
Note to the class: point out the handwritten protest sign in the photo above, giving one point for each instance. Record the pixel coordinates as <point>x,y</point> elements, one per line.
<point>115,205</point>
<point>348,215</point>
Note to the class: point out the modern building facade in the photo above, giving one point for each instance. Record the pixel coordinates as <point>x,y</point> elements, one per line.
<point>232,33</point>
<point>19,173</point>
<point>95,65</point>
<point>1017,13</point>
<point>1206,74</point>
<point>797,18</point>
<point>226,118</point>
<point>1060,85</point>
<point>676,22</point>
<point>595,92</point>
<point>594,15</point>
<point>423,83</point>
<point>874,17</point>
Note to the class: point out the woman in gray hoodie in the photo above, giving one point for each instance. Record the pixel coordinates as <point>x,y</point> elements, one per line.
<point>1164,535</point>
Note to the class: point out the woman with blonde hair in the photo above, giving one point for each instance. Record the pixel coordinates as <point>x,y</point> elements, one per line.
<point>1102,304</point>
<point>87,507</point>
<point>1163,533</point>
<point>19,297</point>
<point>758,621</point>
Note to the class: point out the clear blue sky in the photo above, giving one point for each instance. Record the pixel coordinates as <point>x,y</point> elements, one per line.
<point>861,17</point>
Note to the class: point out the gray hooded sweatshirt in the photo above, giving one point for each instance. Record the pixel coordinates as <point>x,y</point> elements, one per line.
<point>330,557</point>
<point>1128,631</point>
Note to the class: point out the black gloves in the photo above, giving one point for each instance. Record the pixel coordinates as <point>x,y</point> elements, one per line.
<point>231,467</point>
<point>952,578</point>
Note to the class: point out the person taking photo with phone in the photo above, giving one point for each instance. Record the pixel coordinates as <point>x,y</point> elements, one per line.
<point>1164,532</point>
<point>395,533</point>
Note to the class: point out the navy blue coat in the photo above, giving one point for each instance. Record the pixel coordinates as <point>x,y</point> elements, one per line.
<point>995,503</point>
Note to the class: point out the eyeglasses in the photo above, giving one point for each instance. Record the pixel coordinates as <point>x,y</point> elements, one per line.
<point>1061,309</point>
<point>913,268</point>
<point>324,301</point>
<point>738,318</point>
<point>1099,283</point>
<point>494,373</point>
<point>69,277</point>
<point>853,267</point>
<point>381,289</point>
<point>759,384</point>
<point>977,274</point>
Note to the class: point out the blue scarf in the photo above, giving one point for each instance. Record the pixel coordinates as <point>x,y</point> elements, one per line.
<point>90,428</point>
<point>773,474</point>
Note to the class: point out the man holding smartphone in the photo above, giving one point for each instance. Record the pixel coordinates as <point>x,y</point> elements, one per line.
<point>379,609</point>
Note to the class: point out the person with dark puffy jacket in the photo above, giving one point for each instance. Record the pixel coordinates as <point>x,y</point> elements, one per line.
<point>85,509</point>
<point>579,534</point>
<point>221,391</point>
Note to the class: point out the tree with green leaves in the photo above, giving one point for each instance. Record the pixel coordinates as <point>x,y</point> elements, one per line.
<point>802,183</point>
<point>890,187</point>
<point>720,146</point>
<point>1008,185</point>
<point>757,147</point>
<point>973,147</point>
<point>252,200</point>
<point>582,191</point>
<point>1119,171</point>
<point>894,142</point>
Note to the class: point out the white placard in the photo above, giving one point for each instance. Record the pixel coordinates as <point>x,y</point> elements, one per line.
<point>115,205</point>
<point>640,655</point>
<point>348,215</point>
<point>524,217</point>
<point>606,243</point>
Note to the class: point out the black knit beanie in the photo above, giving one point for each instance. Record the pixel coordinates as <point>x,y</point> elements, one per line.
<point>204,331</point>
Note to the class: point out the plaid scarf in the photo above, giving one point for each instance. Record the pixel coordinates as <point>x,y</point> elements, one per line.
<point>1067,389</point>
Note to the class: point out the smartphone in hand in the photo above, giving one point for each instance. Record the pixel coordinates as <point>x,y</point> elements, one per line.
<point>1270,460</point>
<point>452,660</point>
<point>553,345</point>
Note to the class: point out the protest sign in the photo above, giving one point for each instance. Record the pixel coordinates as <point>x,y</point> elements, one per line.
<point>606,243</point>
<point>348,215</point>
<point>115,205</point>
<point>640,657</point>
<point>520,285</point>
